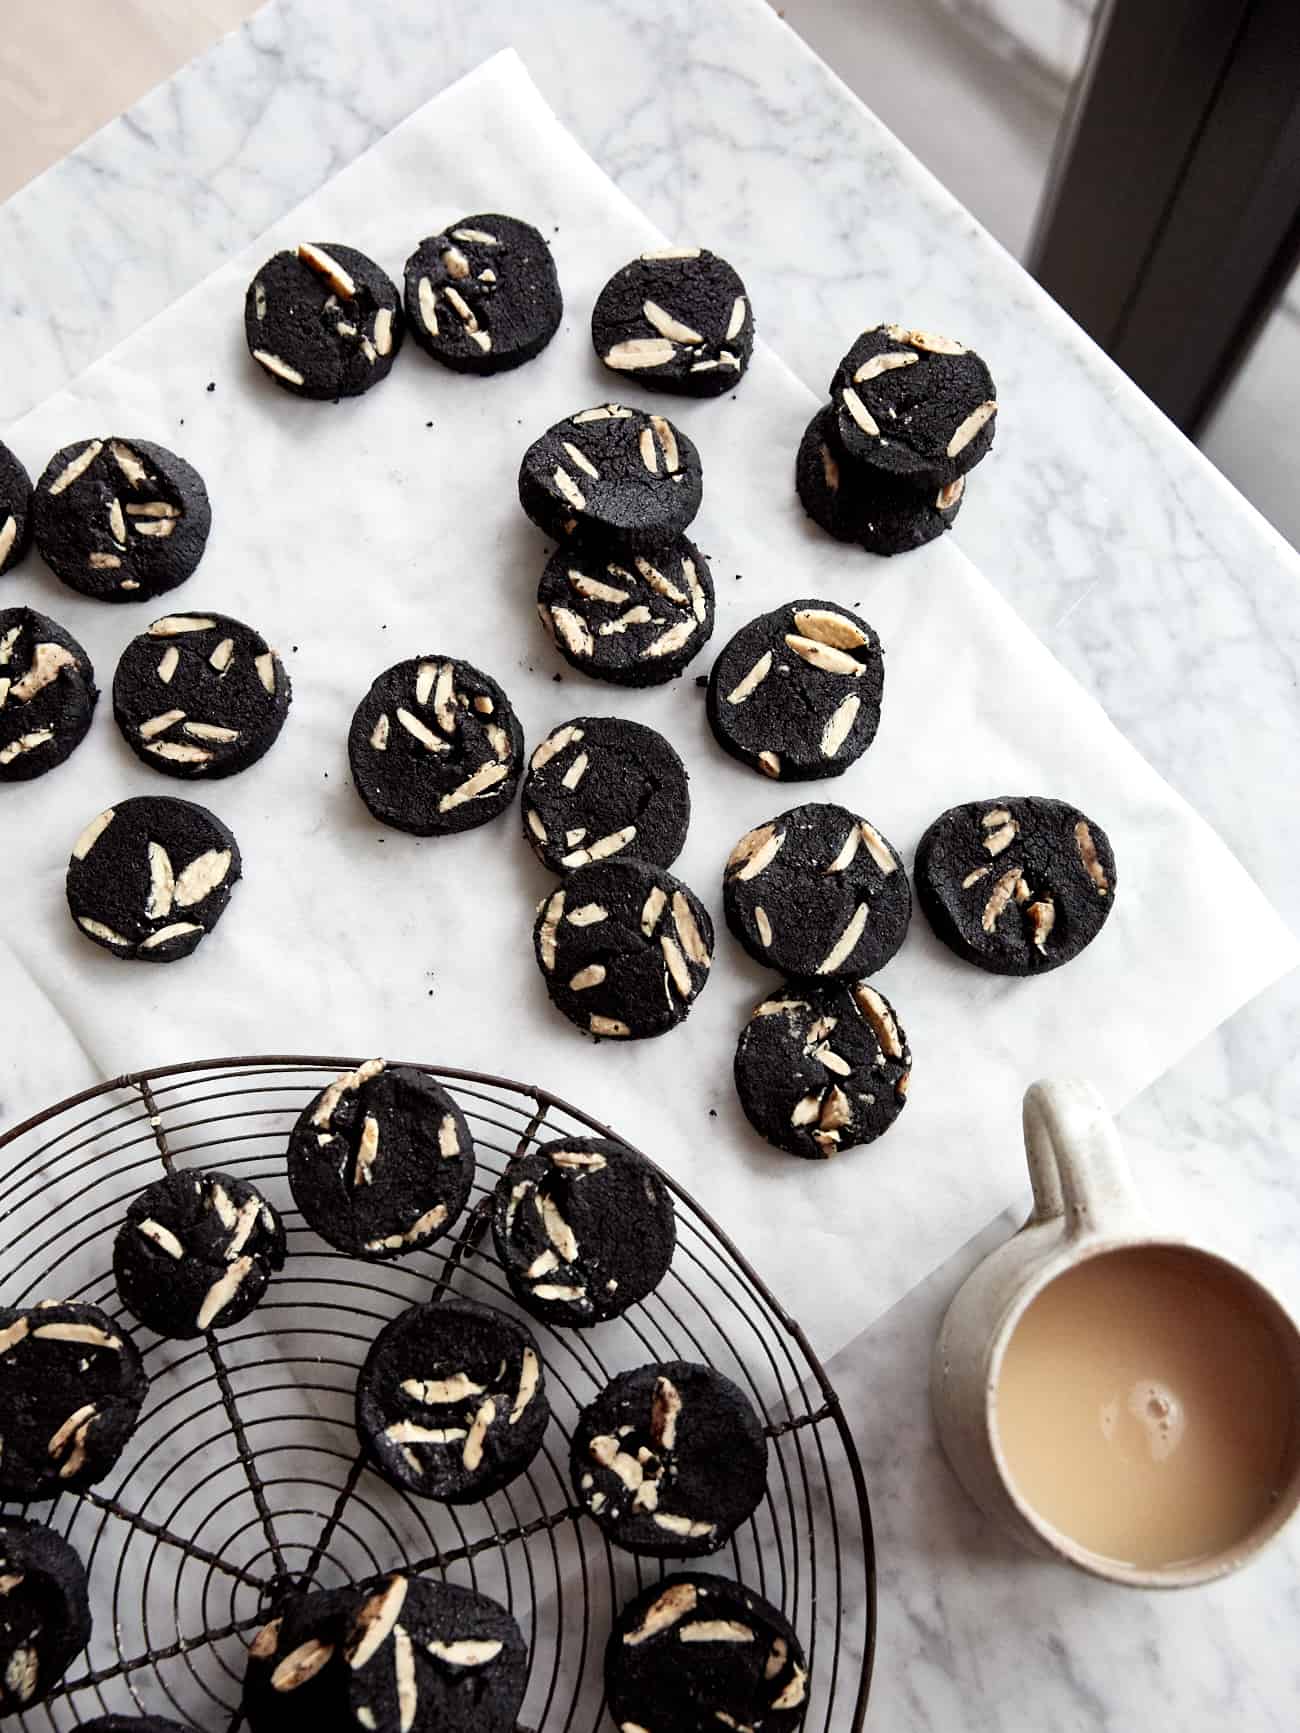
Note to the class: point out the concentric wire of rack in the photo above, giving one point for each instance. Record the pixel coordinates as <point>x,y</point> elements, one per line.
<point>244,1480</point>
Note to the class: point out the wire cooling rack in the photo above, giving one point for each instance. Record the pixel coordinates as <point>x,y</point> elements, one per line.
<point>244,1481</point>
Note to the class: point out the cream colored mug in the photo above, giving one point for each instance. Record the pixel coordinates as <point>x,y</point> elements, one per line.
<point>1119,1399</point>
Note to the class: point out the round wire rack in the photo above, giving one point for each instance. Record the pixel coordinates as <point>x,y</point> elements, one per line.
<point>244,1480</point>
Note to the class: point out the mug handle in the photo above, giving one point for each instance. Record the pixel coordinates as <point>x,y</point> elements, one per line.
<point>1076,1161</point>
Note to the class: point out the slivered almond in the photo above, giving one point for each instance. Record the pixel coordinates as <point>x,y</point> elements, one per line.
<point>844,946</point>
<point>885,363</point>
<point>665,324</point>
<point>859,411</point>
<point>755,851</point>
<point>879,1016</point>
<point>638,352</point>
<point>840,724</point>
<point>754,679</point>
<point>823,656</point>
<point>971,426</point>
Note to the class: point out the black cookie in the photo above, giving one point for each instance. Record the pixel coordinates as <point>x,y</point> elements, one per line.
<point>669,1460</point>
<point>323,320</point>
<point>600,786</point>
<point>624,948</point>
<point>817,891</point>
<point>381,1162</point>
<point>584,1228</point>
<point>483,296</point>
<point>693,1653</point>
<point>15,510</point>
<point>631,477</point>
<point>630,619</point>
<point>196,1252</point>
<point>44,1612</point>
<point>820,1068</point>
<point>796,693</point>
<point>200,695</point>
<point>855,503</point>
<point>298,1679</point>
<point>71,1389</point>
<point>917,406</point>
<point>119,520</point>
<point>130,1724</point>
<point>150,877</point>
<point>47,694</point>
<point>1017,885</point>
<point>435,747</point>
<point>679,319</point>
<point>451,1402</point>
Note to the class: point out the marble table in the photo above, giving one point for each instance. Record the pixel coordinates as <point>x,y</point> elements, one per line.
<point>1162,590</point>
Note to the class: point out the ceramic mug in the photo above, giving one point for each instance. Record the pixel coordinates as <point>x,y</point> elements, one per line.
<point>1085,1207</point>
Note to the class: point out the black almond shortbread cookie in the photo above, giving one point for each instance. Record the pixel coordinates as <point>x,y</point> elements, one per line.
<point>916,406</point>
<point>822,1067</point>
<point>677,318</point>
<point>200,695</point>
<point>624,948</point>
<point>482,296</point>
<point>71,1389</point>
<point>47,694</point>
<point>1017,885</point>
<point>855,503</point>
<point>120,520</point>
<point>451,1401</point>
<point>298,1678</point>
<point>634,620</point>
<point>796,693</point>
<point>381,1162</point>
<point>669,1459</point>
<point>817,891</point>
<point>323,320</point>
<point>15,510</point>
<point>693,1653</point>
<point>45,1617</point>
<point>584,1228</point>
<point>601,786</point>
<point>196,1252</point>
<point>633,478</point>
<point>149,878</point>
<point>130,1724</point>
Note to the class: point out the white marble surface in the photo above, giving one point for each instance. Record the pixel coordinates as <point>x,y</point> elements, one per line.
<point>1167,595</point>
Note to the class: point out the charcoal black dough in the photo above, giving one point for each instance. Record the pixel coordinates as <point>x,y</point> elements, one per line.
<point>150,877</point>
<point>222,676</point>
<point>196,1252</point>
<point>419,787</point>
<point>584,1228</point>
<point>44,1612</point>
<point>788,717</point>
<point>56,1359</point>
<point>1016,885</point>
<point>15,510</point>
<point>381,1162</point>
<point>49,694</point>
<point>310,1693</point>
<point>503,276</point>
<point>323,320</point>
<point>855,503</point>
<point>630,619</point>
<point>821,1067</point>
<point>932,414</point>
<point>499,1420</point>
<point>684,1431</point>
<point>676,319</point>
<point>645,490</point>
<point>130,1724</point>
<point>638,942</point>
<point>120,520</point>
<point>605,784</point>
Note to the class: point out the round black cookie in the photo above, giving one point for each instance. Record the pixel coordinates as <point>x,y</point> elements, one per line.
<point>693,1653</point>
<point>435,747</point>
<point>130,1724</point>
<point>15,510</point>
<point>71,1389</point>
<point>200,695</point>
<point>817,891</point>
<point>47,694</point>
<point>796,693</point>
<point>381,1162</point>
<point>631,477</point>
<point>120,520</point>
<point>822,1067</point>
<point>44,1612</point>
<point>451,1401</point>
<point>601,786</point>
<point>323,320</point>
<point>669,1459</point>
<point>917,406</point>
<point>634,620</point>
<point>855,503</point>
<point>584,1228</point>
<point>676,319</point>
<point>1017,885</point>
<point>624,947</point>
<point>297,1678</point>
<point>482,296</point>
<point>150,877</point>
<point>196,1252</point>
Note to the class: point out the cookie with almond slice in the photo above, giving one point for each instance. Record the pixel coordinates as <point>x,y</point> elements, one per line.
<point>45,1616</point>
<point>600,786</point>
<point>15,509</point>
<point>915,405</point>
<point>854,502</point>
<point>628,477</point>
<point>322,320</point>
<point>675,319</point>
<point>630,619</point>
<point>47,694</point>
<point>482,295</point>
